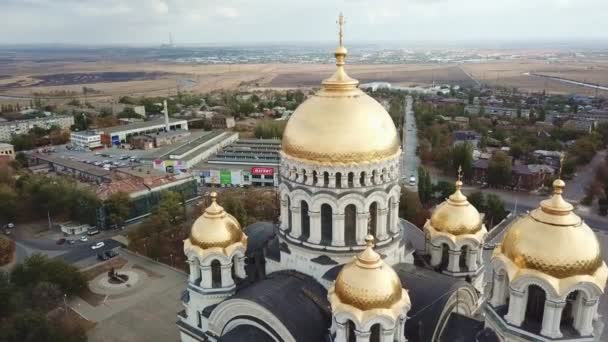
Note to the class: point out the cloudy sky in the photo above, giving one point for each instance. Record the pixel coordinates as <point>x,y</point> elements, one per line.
<point>251,21</point>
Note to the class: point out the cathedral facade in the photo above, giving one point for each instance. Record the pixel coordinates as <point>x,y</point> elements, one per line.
<point>340,264</point>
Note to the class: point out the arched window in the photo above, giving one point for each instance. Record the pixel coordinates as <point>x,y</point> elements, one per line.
<point>462,262</point>
<point>216,274</point>
<point>325,179</point>
<point>350,332</point>
<point>305,220</point>
<point>383,176</point>
<point>233,268</point>
<point>351,179</point>
<point>350,225</point>
<point>571,310</point>
<point>338,180</point>
<point>445,256</point>
<point>326,223</point>
<point>535,306</point>
<point>304,176</point>
<point>315,178</point>
<point>374,174</point>
<point>373,218</point>
<point>362,179</point>
<point>375,333</point>
<point>389,213</point>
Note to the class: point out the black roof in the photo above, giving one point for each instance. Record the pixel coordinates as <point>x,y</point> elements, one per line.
<point>244,333</point>
<point>460,328</point>
<point>297,300</point>
<point>257,235</point>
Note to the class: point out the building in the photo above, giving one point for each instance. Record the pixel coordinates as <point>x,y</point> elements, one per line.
<point>498,111</point>
<point>583,126</point>
<point>7,151</point>
<point>68,167</point>
<point>160,139</point>
<point>220,121</point>
<point>339,264</point>
<point>122,134</point>
<point>87,140</point>
<point>71,228</point>
<point>10,128</point>
<point>244,162</point>
<point>466,137</point>
<point>530,177</point>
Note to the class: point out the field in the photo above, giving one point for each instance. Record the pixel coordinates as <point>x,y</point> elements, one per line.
<point>110,79</point>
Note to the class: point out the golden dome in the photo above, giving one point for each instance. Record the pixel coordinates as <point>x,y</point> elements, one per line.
<point>367,282</point>
<point>456,215</point>
<point>340,124</point>
<point>216,228</point>
<point>554,240</point>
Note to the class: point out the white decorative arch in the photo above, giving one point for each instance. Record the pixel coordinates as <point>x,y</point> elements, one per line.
<point>438,240</point>
<point>299,195</point>
<point>319,199</point>
<point>357,199</point>
<point>590,290</point>
<point>522,282</point>
<point>231,309</point>
<point>379,197</point>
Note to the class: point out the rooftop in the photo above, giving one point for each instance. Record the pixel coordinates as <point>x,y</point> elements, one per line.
<point>141,125</point>
<point>91,169</point>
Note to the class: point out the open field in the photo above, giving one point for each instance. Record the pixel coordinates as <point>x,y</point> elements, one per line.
<point>112,79</point>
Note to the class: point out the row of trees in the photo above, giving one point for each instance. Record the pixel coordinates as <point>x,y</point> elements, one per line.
<point>29,292</point>
<point>38,136</point>
<point>268,129</point>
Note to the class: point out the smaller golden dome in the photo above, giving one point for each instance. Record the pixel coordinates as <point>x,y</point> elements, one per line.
<point>554,240</point>
<point>456,215</point>
<point>216,228</point>
<point>367,282</point>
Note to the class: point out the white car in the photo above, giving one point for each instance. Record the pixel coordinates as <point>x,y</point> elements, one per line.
<point>98,245</point>
<point>84,239</point>
<point>412,181</point>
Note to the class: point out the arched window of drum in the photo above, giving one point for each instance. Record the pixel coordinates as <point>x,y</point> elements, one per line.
<point>305,220</point>
<point>362,178</point>
<point>462,262</point>
<point>351,336</point>
<point>389,212</point>
<point>289,212</point>
<point>326,223</point>
<point>373,218</point>
<point>375,333</point>
<point>573,309</point>
<point>350,225</point>
<point>216,274</point>
<point>325,179</point>
<point>304,176</point>
<point>535,306</point>
<point>338,180</point>
<point>351,179</point>
<point>315,178</point>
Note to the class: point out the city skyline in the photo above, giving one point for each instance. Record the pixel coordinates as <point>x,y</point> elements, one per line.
<point>237,22</point>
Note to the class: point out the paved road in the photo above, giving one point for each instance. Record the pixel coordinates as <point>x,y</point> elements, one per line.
<point>410,162</point>
<point>575,188</point>
<point>84,251</point>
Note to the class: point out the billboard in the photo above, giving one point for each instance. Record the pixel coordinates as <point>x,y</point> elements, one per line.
<point>225,177</point>
<point>214,177</point>
<point>262,171</point>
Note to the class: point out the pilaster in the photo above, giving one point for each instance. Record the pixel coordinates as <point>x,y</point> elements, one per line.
<point>315,227</point>
<point>338,230</point>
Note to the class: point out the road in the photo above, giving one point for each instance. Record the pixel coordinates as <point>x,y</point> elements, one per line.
<point>410,162</point>
<point>575,188</point>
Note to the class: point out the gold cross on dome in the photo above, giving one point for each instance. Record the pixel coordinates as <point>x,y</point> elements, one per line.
<point>460,172</point>
<point>562,158</point>
<point>341,26</point>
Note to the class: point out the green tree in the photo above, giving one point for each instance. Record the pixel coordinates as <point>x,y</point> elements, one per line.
<point>494,210</point>
<point>171,204</point>
<point>499,170</point>
<point>425,189</point>
<point>235,207</point>
<point>444,189</point>
<point>411,209</point>
<point>8,203</point>
<point>118,207</point>
<point>462,156</point>
<point>477,200</point>
<point>39,268</point>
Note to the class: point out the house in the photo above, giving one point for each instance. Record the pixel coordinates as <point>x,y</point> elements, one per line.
<point>530,177</point>
<point>584,126</point>
<point>470,137</point>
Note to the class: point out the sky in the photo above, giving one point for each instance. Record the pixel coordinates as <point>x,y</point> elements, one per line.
<point>149,22</point>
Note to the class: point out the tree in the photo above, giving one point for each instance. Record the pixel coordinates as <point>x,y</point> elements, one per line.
<point>118,208</point>
<point>444,189</point>
<point>411,209</point>
<point>477,200</point>
<point>494,209</point>
<point>268,129</point>
<point>462,156</point>
<point>45,295</point>
<point>235,208</point>
<point>499,170</point>
<point>8,203</point>
<point>81,122</point>
<point>171,204</point>
<point>39,268</point>
<point>425,190</point>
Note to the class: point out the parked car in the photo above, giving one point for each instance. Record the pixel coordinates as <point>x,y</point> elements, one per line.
<point>101,256</point>
<point>98,245</point>
<point>125,157</point>
<point>92,232</point>
<point>7,232</point>
<point>71,241</point>
<point>10,225</point>
<point>84,239</point>
<point>61,241</point>
<point>412,180</point>
<point>110,254</point>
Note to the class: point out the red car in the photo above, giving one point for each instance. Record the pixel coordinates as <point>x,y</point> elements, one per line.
<point>61,241</point>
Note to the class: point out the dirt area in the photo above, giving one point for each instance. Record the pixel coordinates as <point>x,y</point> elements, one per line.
<point>66,79</point>
<point>148,272</point>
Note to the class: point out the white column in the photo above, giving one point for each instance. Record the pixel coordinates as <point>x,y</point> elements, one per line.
<point>381,224</point>
<point>395,217</point>
<point>299,176</point>
<point>356,179</point>
<point>340,332</point>
<point>370,179</point>
<point>240,267</point>
<point>362,336</point>
<point>206,277</point>
<point>227,280</point>
<point>587,314</point>
<point>361,227</point>
<point>332,180</point>
<point>551,319</point>
<point>296,222</point>
<point>315,227</point>
<point>472,260</point>
<point>399,335</point>
<point>293,175</point>
<point>435,255</point>
<point>387,335</point>
<point>344,181</point>
<point>498,290</point>
<point>517,307</point>
<point>309,177</point>
<point>338,230</point>
<point>195,271</point>
<point>453,261</point>
<point>284,215</point>
<point>376,178</point>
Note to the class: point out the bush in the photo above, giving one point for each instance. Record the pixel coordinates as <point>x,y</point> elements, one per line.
<point>7,249</point>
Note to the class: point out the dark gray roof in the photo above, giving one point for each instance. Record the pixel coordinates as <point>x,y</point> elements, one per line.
<point>243,333</point>
<point>295,299</point>
<point>258,234</point>
<point>460,328</point>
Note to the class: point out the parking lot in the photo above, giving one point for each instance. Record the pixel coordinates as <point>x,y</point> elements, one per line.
<point>107,158</point>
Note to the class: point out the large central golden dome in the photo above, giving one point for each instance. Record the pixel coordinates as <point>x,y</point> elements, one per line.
<point>340,124</point>
<point>553,239</point>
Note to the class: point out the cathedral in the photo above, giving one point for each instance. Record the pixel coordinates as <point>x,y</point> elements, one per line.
<point>341,265</point>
